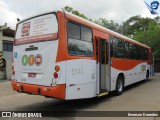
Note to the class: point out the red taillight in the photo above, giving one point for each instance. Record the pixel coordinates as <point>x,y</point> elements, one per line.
<point>13,72</point>
<point>55,75</point>
<point>12,67</point>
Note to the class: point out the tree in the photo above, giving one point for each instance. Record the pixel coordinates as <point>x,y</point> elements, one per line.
<point>75,12</point>
<point>136,24</point>
<point>150,37</point>
<point>110,25</point>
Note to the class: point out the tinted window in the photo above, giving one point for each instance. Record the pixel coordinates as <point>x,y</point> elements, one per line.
<point>127,50</point>
<point>77,47</point>
<point>121,49</point>
<point>115,47</point>
<point>136,53</point>
<point>73,31</point>
<point>118,48</point>
<point>146,54</point>
<point>79,40</point>
<point>86,34</point>
<point>131,51</point>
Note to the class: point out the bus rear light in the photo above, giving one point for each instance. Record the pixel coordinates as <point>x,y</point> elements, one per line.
<point>13,72</point>
<point>55,75</point>
<point>57,68</point>
<point>12,67</point>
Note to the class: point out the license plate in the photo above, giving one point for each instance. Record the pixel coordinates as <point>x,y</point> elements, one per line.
<point>32,75</point>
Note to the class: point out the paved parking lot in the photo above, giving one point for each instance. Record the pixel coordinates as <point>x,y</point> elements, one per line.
<point>142,96</point>
<point>6,89</point>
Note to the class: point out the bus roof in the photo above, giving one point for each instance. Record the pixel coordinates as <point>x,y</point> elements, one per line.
<point>90,24</point>
<point>100,28</point>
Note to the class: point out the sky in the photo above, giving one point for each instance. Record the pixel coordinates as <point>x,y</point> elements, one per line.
<point>116,10</point>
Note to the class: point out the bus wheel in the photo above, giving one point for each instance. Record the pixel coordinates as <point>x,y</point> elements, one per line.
<point>119,85</point>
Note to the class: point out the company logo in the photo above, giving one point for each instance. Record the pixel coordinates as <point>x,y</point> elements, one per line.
<point>21,114</point>
<point>25,29</point>
<point>153,6</point>
<point>6,114</point>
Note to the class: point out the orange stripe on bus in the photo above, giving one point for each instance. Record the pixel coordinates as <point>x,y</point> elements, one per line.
<point>125,65</point>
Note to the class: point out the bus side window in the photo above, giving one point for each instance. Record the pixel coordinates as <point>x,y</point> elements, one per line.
<point>136,53</point>
<point>79,40</point>
<point>118,48</point>
<point>115,46</point>
<point>121,48</point>
<point>131,50</point>
<point>146,54</point>
<point>127,50</point>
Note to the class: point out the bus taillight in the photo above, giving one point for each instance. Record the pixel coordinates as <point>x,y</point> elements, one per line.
<point>57,68</point>
<point>55,75</point>
<point>13,72</point>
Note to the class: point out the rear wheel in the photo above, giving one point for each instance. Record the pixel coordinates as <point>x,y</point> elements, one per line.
<point>119,85</point>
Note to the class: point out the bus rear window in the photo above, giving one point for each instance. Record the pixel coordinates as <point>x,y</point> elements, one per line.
<point>36,29</point>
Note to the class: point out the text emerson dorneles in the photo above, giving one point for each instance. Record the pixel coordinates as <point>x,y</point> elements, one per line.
<point>142,114</point>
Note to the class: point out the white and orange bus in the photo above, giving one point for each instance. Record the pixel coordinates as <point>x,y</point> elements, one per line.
<point>60,55</point>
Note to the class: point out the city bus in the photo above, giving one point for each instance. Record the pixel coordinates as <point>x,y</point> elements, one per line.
<point>60,55</point>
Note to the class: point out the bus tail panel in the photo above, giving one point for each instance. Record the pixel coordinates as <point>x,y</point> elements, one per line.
<point>55,91</point>
<point>35,66</point>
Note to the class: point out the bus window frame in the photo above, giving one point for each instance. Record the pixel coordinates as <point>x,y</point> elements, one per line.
<point>55,13</point>
<point>76,23</point>
<point>129,43</point>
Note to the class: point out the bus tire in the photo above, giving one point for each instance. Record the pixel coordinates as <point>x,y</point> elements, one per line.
<point>119,85</point>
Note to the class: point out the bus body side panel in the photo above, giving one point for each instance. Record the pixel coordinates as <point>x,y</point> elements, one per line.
<point>80,78</point>
<point>133,71</point>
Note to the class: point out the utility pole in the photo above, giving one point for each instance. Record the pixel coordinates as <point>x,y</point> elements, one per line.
<point>3,27</point>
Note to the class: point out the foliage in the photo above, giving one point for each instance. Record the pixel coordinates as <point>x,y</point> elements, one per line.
<point>75,12</point>
<point>109,24</point>
<point>150,37</point>
<point>144,30</point>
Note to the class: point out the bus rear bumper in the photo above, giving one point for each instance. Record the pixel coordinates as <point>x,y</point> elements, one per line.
<point>53,91</point>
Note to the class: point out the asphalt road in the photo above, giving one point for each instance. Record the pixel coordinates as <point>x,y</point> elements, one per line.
<point>142,96</point>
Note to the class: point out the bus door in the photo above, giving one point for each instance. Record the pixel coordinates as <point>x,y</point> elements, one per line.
<point>103,78</point>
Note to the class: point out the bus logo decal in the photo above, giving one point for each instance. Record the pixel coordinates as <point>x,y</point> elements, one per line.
<point>31,60</point>
<point>38,60</point>
<point>24,60</point>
